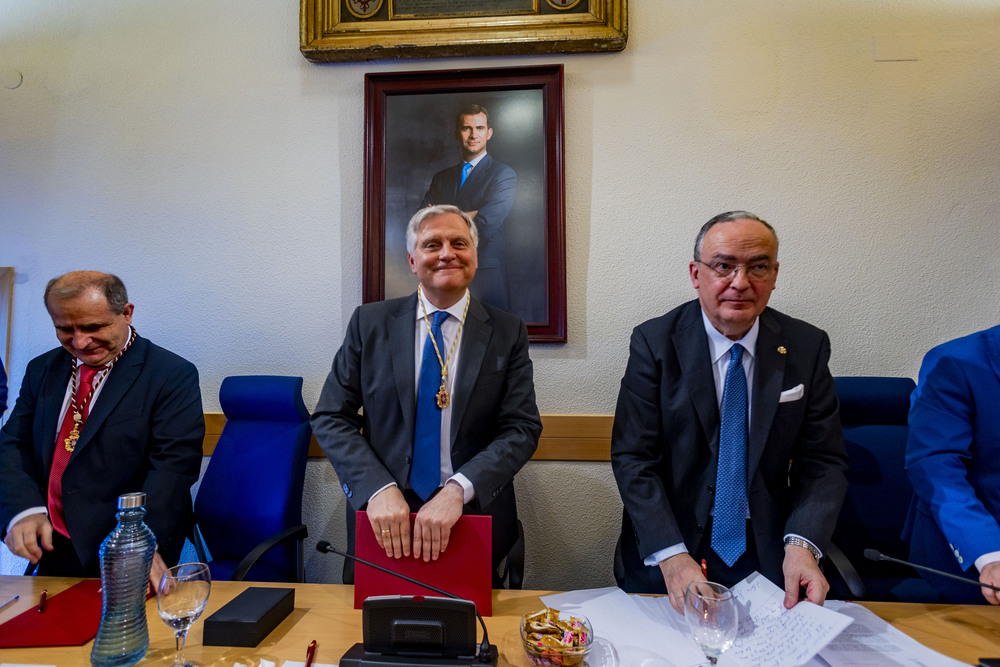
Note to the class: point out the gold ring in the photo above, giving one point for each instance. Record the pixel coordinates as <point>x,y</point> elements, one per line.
<point>386,530</point>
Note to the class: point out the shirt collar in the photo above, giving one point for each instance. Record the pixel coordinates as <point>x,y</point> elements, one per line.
<point>719,345</point>
<point>476,160</point>
<point>456,310</point>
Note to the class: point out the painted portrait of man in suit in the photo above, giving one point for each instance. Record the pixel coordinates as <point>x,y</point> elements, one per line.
<point>428,140</point>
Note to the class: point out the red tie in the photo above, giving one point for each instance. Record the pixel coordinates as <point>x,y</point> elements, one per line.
<point>62,455</point>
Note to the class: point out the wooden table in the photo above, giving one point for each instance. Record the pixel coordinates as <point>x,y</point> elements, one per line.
<point>326,613</point>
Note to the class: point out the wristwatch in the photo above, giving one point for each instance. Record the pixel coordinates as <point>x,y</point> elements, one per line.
<point>805,544</point>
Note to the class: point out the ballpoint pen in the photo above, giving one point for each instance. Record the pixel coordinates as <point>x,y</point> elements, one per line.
<point>10,601</point>
<point>310,653</point>
<point>41,600</point>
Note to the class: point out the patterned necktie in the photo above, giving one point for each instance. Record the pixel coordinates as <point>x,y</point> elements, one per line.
<point>466,168</point>
<point>425,474</point>
<point>729,530</point>
<point>61,457</point>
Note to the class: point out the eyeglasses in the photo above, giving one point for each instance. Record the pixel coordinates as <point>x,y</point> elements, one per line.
<point>727,270</point>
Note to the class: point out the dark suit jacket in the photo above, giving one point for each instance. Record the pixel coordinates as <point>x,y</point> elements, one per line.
<point>665,440</point>
<point>489,190</point>
<point>953,460</point>
<point>146,433</point>
<point>495,423</point>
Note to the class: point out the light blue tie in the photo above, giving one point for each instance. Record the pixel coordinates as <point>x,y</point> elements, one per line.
<point>729,522</point>
<point>425,474</point>
<point>466,168</point>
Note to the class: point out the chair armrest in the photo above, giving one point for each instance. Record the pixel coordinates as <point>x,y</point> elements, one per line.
<point>848,573</point>
<point>296,533</point>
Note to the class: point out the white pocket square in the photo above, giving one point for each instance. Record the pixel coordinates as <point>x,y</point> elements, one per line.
<point>793,394</point>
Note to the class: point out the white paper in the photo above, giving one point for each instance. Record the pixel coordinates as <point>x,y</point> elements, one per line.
<point>633,629</point>
<point>770,635</point>
<point>871,642</point>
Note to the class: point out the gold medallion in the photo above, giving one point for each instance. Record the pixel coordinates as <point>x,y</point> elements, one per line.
<point>442,398</point>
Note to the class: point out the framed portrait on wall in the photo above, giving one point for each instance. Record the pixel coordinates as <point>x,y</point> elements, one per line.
<point>420,129</point>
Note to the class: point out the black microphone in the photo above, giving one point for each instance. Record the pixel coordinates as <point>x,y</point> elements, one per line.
<point>872,554</point>
<point>485,650</point>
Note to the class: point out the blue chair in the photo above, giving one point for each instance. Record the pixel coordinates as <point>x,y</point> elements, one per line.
<point>248,511</point>
<point>873,412</point>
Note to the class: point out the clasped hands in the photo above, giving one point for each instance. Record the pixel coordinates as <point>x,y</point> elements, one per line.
<point>799,567</point>
<point>389,516</point>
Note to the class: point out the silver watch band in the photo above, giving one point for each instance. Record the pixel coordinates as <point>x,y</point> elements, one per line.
<point>805,544</point>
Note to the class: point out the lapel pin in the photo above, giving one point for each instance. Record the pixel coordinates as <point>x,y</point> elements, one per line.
<point>782,350</point>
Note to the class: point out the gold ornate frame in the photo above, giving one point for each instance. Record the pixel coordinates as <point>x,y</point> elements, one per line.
<point>336,31</point>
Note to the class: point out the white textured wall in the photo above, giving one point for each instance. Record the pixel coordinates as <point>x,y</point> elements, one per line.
<point>188,147</point>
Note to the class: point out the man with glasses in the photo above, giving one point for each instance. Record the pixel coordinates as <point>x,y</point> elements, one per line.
<point>727,446</point>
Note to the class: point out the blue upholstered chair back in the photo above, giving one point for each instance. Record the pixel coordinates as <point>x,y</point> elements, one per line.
<point>252,488</point>
<point>873,412</point>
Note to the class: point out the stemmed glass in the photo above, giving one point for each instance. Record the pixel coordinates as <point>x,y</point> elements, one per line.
<point>712,615</point>
<point>180,600</point>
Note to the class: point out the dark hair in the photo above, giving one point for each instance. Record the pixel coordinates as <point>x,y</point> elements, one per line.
<point>73,284</point>
<point>729,216</point>
<point>471,110</point>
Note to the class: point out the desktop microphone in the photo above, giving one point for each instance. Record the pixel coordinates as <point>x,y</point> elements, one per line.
<point>486,650</point>
<point>872,554</point>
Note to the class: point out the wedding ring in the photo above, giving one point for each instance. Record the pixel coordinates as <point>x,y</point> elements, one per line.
<point>386,530</point>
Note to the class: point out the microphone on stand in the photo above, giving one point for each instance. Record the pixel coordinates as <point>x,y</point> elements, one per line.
<point>872,554</point>
<point>487,652</point>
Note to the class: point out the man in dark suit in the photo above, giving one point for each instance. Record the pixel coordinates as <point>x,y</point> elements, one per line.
<point>727,446</point>
<point>484,188</point>
<point>454,448</point>
<point>953,460</point>
<point>107,413</point>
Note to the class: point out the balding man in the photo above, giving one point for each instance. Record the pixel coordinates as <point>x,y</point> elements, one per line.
<point>727,446</point>
<point>105,414</point>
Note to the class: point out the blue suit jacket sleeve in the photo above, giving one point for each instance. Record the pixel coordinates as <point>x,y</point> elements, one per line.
<point>954,442</point>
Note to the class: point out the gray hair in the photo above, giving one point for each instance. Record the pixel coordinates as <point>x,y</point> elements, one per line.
<point>73,284</point>
<point>428,212</point>
<point>729,216</point>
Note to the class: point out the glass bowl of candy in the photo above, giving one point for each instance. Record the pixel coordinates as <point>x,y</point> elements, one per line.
<point>553,639</point>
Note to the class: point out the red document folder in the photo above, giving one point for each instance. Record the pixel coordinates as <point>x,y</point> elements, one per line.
<point>463,570</point>
<point>70,619</point>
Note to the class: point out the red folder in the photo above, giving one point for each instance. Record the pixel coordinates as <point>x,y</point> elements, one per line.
<point>70,619</point>
<point>463,570</point>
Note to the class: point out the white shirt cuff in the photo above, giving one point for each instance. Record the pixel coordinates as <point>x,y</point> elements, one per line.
<point>986,559</point>
<point>27,512</point>
<point>664,554</point>
<point>469,493</point>
<point>381,490</point>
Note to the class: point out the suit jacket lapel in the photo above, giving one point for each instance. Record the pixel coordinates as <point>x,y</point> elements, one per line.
<point>116,385</point>
<point>993,349</point>
<point>691,343</point>
<point>769,375</point>
<point>402,334</point>
<point>51,395</point>
<point>475,338</point>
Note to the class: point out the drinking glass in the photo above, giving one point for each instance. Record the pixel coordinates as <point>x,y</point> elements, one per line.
<point>180,600</point>
<point>712,615</point>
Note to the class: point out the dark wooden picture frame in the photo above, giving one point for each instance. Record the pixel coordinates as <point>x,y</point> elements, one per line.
<point>409,137</point>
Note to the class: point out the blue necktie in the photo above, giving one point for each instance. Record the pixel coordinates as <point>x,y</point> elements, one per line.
<point>729,527</point>
<point>466,168</point>
<point>425,474</point>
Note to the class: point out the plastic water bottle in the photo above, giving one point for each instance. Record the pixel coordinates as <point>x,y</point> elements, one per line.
<point>126,557</point>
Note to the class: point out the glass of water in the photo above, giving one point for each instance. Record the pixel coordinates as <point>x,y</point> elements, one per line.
<point>181,599</point>
<point>712,616</point>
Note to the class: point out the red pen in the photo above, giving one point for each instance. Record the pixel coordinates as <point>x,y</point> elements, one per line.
<point>704,568</point>
<point>41,601</point>
<point>310,653</point>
